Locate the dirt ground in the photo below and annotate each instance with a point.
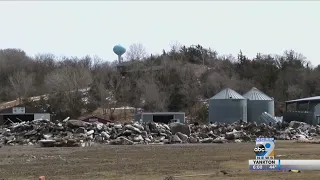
(148, 162)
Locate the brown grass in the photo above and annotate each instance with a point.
(148, 162)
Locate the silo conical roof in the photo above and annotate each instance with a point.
(256, 94)
(227, 94)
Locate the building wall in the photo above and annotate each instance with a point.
(137, 117)
(298, 116)
(257, 107)
(316, 115)
(305, 112)
(23, 116)
(313, 104)
(181, 117)
(149, 117)
(42, 116)
(227, 110)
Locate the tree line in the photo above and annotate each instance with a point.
(180, 79)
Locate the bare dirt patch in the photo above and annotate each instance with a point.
(146, 162)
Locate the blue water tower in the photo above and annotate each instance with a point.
(119, 50)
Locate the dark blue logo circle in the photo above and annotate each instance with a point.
(260, 149)
(268, 145)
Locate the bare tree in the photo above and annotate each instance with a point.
(136, 51)
(175, 46)
(68, 79)
(163, 81)
(113, 96)
(190, 87)
(21, 83)
(116, 85)
(153, 97)
(68, 88)
(104, 100)
(108, 85)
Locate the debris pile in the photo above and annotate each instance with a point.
(78, 133)
(268, 118)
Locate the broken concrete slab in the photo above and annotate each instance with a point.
(75, 123)
(180, 127)
(76, 133)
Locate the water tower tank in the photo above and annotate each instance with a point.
(258, 103)
(119, 50)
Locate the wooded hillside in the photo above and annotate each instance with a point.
(174, 81)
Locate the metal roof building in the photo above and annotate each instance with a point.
(305, 110)
(314, 98)
(258, 103)
(21, 113)
(227, 107)
(163, 117)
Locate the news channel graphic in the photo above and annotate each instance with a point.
(264, 151)
(284, 165)
(264, 148)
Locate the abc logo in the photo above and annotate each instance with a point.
(259, 149)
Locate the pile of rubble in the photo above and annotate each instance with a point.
(79, 133)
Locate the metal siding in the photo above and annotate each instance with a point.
(42, 116)
(137, 117)
(257, 107)
(298, 116)
(310, 119)
(227, 110)
(316, 109)
(315, 98)
(28, 110)
(147, 117)
(316, 113)
(304, 116)
(180, 117)
(227, 94)
(244, 104)
(256, 94)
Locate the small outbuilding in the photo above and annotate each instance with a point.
(227, 106)
(95, 118)
(305, 110)
(163, 117)
(21, 113)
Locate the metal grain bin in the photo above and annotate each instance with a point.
(227, 107)
(258, 103)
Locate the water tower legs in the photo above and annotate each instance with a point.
(119, 58)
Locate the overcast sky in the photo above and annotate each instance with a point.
(93, 28)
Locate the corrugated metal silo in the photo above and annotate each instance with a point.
(227, 107)
(258, 103)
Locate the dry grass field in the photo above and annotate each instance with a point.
(148, 162)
